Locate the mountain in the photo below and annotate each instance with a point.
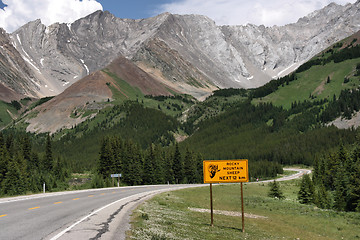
(16, 77)
(189, 53)
(122, 79)
(287, 120)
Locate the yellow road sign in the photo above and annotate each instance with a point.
(225, 171)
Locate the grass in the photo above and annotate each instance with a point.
(123, 90)
(167, 216)
(5, 117)
(313, 82)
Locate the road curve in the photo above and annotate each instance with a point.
(300, 173)
(86, 214)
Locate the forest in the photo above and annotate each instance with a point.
(23, 170)
(335, 183)
(153, 165)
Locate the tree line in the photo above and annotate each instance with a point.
(23, 170)
(272, 86)
(80, 145)
(266, 133)
(349, 52)
(159, 165)
(344, 106)
(154, 165)
(335, 183)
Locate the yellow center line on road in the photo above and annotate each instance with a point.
(3, 215)
(102, 194)
(90, 195)
(76, 198)
(57, 202)
(34, 208)
(113, 192)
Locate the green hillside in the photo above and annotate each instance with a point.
(285, 120)
(80, 146)
(11, 111)
(5, 117)
(319, 82)
(327, 74)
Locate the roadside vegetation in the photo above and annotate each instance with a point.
(177, 215)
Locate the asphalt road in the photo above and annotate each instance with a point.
(300, 173)
(58, 215)
(86, 214)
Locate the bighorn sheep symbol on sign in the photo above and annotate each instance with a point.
(213, 169)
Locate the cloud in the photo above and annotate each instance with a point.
(240, 12)
(19, 12)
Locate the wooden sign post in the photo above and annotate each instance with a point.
(226, 171)
(118, 176)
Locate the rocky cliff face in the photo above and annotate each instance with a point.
(279, 50)
(187, 52)
(16, 79)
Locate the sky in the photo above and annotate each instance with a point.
(15, 13)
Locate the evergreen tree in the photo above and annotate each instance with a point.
(341, 181)
(149, 176)
(159, 165)
(4, 160)
(169, 171)
(12, 183)
(117, 152)
(106, 159)
(133, 164)
(322, 199)
(26, 149)
(275, 191)
(199, 168)
(306, 193)
(190, 171)
(354, 182)
(48, 159)
(178, 165)
(340, 193)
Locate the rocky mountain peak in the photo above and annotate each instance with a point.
(188, 52)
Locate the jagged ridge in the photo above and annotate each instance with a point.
(187, 52)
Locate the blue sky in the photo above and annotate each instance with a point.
(223, 12)
(134, 9)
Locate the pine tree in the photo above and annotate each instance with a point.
(117, 152)
(133, 164)
(190, 167)
(306, 193)
(275, 191)
(328, 79)
(4, 161)
(159, 165)
(105, 159)
(178, 165)
(354, 182)
(26, 148)
(169, 171)
(12, 183)
(199, 168)
(48, 159)
(322, 199)
(341, 181)
(149, 176)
